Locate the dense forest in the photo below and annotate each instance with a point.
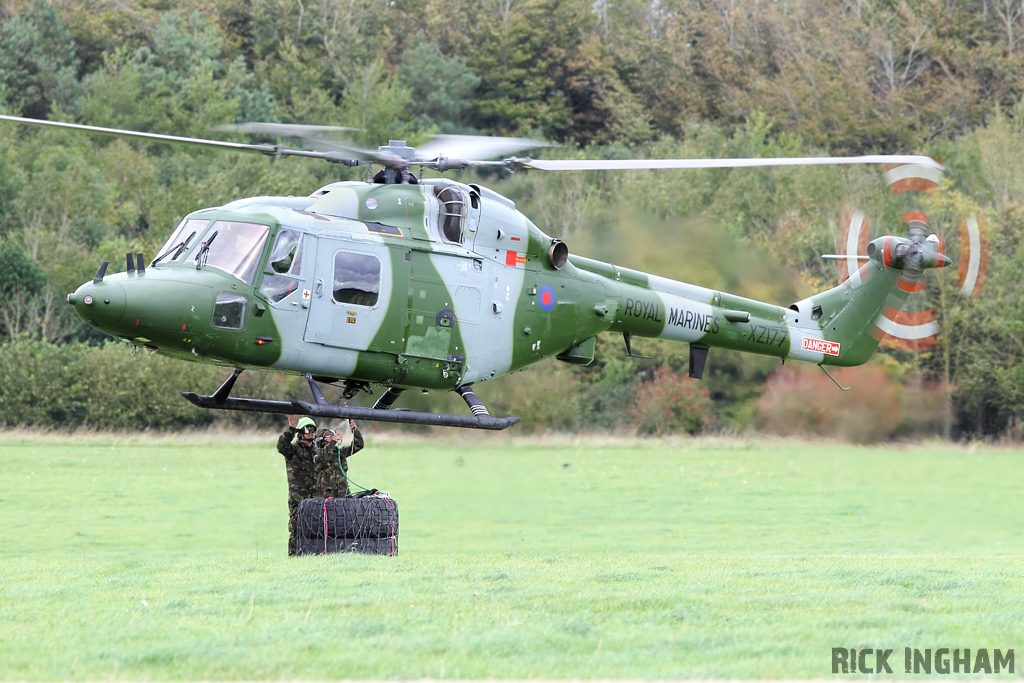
(599, 78)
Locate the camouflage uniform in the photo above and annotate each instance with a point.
(332, 467)
(302, 481)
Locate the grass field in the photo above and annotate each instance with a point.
(163, 559)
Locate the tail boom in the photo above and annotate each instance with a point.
(840, 326)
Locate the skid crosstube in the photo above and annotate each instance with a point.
(325, 409)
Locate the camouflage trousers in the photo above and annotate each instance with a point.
(293, 523)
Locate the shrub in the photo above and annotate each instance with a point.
(40, 384)
(802, 401)
(106, 387)
(671, 403)
(546, 396)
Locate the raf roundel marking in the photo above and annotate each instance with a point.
(371, 203)
(546, 298)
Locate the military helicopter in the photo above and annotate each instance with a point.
(401, 282)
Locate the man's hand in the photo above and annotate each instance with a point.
(352, 425)
(293, 421)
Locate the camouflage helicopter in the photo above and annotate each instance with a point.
(401, 282)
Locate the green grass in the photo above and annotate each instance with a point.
(163, 559)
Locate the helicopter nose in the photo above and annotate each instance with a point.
(100, 304)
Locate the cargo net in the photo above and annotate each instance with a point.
(364, 523)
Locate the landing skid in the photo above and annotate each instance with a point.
(323, 408)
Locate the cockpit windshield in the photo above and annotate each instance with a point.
(180, 240)
(234, 248)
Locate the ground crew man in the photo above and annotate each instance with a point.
(332, 463)
(299, 463)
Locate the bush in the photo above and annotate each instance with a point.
(671, 403)
(106, 387)
(40, 384)
(802, 401)
(546, 396)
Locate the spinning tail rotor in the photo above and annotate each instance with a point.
(912, 330)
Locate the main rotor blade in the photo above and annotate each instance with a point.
(295, 130)
(360, 153)
(156, 137)
(475, 146)
(318, 136)
(653, 164)
(269, 150)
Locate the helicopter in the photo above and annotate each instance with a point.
(401, 283)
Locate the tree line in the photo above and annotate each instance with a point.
(603, 79)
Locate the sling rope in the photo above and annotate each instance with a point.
(342, 469)
(325, 525)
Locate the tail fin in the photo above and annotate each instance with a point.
(852, 316)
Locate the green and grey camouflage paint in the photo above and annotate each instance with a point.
(454, 307)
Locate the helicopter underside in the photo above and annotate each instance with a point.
(329, 410)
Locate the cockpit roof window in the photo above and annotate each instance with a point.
(234, 248)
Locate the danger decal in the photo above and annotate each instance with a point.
(513, 259)
(829, 348)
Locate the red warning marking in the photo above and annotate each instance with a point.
(863, 235)
(908, 286)
(910, 318)
(830, 348)
(964, 262)
(901, 344)
(512, 259)
(913, 184)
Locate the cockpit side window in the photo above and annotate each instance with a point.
(286, 259)
(286, 256)
(229, 311)
(451, 215)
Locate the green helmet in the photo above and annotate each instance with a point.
(305, 425)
